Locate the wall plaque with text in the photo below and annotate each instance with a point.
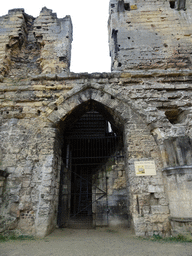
(144, 168)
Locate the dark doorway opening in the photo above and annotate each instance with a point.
(90, 143)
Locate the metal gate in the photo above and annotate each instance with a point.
(89, 145)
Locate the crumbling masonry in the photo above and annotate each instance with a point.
(104, 148)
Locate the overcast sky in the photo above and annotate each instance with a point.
(90, 52)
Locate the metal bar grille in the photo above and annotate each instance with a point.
(88, 146)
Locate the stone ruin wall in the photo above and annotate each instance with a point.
(34, 45)
(28, 144)
(38, 93)
(149, 34)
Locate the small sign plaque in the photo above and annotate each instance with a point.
(145, 168)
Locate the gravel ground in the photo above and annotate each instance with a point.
(101, 241)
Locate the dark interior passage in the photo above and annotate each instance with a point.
(88, 145)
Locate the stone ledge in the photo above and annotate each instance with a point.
(71, 75)
(184, 169)
(114, 74)
(176, 219)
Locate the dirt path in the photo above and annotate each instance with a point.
(102, 242)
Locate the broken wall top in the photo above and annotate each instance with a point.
(31, 45)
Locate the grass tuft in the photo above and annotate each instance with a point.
(179, 238)
(4, 238)
(111, 230)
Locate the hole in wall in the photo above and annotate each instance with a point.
(114, 36)
(172, 4)
(39, 37)
(174, 115)
(127, 6)
(62, 58)
(7, 46)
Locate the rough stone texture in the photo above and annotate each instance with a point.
(152, 108)
(150, 35)
(28, 142)
(34, 46)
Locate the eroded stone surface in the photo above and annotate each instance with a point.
(150, 104)
(150, 35)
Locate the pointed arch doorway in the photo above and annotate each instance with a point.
(92, 150)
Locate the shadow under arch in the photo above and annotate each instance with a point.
(92, 105)
(89, 163)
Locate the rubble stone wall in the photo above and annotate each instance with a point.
(151, 106)
(34, 45)
(30, 121)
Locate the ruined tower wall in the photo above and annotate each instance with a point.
(150, 35)
(30, 46)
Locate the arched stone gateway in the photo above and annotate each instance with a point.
(130, 184)
(135, 122)
(93, 164)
